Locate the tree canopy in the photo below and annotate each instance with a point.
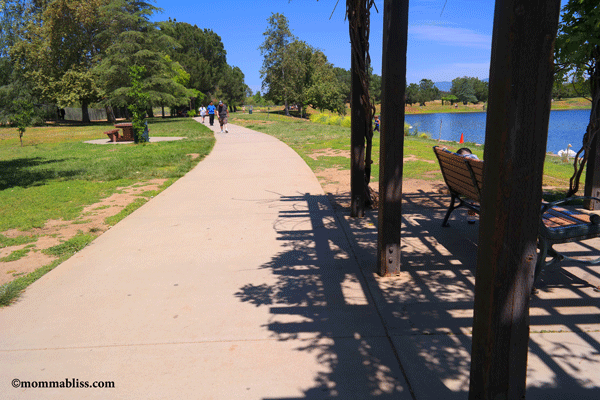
(469, 90)
(76, 53)
(577, 58)
(277, 38)
(294, 72)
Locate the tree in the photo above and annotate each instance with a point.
(427, 91)
(139, 101)
(233, 87)
(277, 38)
(412, 93)
(200, 52)
(344, 79)
(323, 91)
(481, 89)
(577, 57)
(374, 86)
(298, 67)
(449, 99)
(22, 117)
(469, 90)
(61, 46)
(142, 44)
(464, 90)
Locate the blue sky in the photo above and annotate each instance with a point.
(447, 39)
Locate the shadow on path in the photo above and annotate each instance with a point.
(409, 336)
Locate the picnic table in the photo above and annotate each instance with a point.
(127, 135)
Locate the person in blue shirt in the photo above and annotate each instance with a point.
(211, 113)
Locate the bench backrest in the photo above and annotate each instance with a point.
(463, 176)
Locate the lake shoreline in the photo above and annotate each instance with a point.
(566, 126)
(453, 111)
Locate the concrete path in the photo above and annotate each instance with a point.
(243, 281)
(234, 283)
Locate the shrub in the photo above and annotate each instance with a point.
(334, 120)
(191, 113)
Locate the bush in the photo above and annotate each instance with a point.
(334, 120)
(330, 119)
(191, 113)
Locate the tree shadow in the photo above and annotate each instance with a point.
(435, 293)
(409, 336)
(25, 172)
(319, 303)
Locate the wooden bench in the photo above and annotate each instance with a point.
(464, 178)
(113, 134)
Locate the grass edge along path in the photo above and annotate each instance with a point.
(324, 146)
(199, 143)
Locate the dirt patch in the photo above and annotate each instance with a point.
(336, 184)
(329, 153)
(54, 232)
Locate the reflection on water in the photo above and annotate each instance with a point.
(566, 127)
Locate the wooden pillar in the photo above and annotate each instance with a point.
(393, 75)
(592, 172)
(358, 114)
(521, 75)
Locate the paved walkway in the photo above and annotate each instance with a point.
(242, 281)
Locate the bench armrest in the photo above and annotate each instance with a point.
(547, 206)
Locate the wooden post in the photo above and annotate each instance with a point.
(592, 175)
(521, 75)
(357, 145)
(393, 75)
(358, 117)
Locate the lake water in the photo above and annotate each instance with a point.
(566, 127)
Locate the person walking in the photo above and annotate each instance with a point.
(211, 113)
(202, 112)
(223, 114)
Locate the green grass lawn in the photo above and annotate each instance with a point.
(55, 175)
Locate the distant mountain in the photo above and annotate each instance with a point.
(446, 86)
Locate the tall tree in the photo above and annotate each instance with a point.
(298, 67)
(427, 91)
(323, 91)
(60, 48)
(200, 52)
(277, 37)
(141, 43)
(16, 92)
(374, 86)
(577, 57)
(463, 88)
(412, 94)
(233, 87)
(344, 80)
